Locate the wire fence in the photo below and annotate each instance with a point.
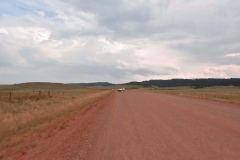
(16, 96)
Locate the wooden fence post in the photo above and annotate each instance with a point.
(39, 93)
(10, 96)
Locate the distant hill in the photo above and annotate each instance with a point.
(93, 84)
(198, 83)
(38, 86)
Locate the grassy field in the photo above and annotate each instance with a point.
(220, 93)
(24, 108)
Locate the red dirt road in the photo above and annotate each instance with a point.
(141, 125)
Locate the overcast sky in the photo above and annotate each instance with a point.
(118, 40)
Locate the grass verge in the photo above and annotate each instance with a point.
(28, 112)
(220, 93)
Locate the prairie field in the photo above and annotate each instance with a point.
(26, 108)
(220, 93)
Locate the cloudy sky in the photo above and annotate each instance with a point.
(118, 41)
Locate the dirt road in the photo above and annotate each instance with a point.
(141, 125)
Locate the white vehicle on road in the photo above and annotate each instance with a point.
(121, 89)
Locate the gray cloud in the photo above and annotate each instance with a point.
(110, 67)
(5, 59)
(118, 41)
(121, 18)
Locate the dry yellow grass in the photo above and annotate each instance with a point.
(27, 110)
(39, 86)
(220, 93)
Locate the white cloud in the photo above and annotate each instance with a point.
(113, 47)
(3, 31)
(222, 71)
(41, 13)
(121, 41)
(233, 55)
(31, 34)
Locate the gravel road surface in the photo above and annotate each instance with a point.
(142, 125)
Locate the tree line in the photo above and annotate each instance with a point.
(198, 83)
